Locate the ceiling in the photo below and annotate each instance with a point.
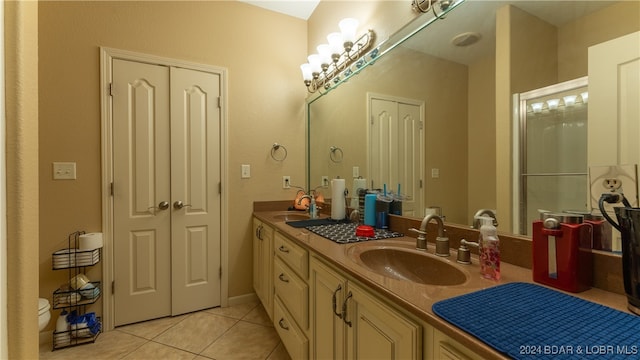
(297, 8)
(479, 16)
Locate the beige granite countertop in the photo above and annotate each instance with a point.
(418, 298)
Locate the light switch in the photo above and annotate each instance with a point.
(246, 171)
(64, 171)
(435, 173)
(356, 171)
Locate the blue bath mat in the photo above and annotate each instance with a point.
(527, 321)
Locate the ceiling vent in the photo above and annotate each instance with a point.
(465, 39)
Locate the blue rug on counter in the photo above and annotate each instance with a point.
(526, 321)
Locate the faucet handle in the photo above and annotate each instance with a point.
(421, 241)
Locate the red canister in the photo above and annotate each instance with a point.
(562, 252)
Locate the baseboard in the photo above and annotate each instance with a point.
(243, 299)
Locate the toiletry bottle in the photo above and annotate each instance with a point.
(62, 324)
(313, 210)
(489, 250)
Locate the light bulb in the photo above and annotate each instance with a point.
(314, 61)
(335, 43)
(537, 107)
(569, 100)
(306, 72)
(348, 28)
(585, 97)
(324, 51)
(553, 103)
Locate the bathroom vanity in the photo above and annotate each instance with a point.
(330, 300)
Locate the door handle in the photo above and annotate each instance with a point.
(344, 309)
(334, 301)
(163, 205)
(179, 205)
(282, 324)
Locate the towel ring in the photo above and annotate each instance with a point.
(274, 150)
(333, 154)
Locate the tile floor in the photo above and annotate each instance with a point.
(237, 332)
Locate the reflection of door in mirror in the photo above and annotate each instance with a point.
(396, 148)
(614, 110)
(552, 151)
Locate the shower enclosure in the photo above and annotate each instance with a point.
(551, 143)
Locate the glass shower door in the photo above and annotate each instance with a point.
(552, 167)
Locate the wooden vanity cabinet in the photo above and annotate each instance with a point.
(359, 325)
(290, 279)
(320, 312)
(263, 264)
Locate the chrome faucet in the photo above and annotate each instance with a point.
(481, 212)
(442, 242)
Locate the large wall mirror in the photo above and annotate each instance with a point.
(426, 115)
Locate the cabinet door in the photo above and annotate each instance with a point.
(446, 348)
(327, 327)
(263, 264)
(376, 331)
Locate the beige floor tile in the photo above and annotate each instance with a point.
(153, 350)
(109, 345)
(258, 316)
(152, 328)
(244, 341)
(196, 331)
(280, 353)
(236, 311)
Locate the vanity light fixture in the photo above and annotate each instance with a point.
(336, 57)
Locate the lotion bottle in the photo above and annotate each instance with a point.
(489, 250)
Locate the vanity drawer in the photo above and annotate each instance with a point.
(292, 337)
(293, 292)
(293, 255)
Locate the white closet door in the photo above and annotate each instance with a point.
(142, 231)
(195, 181)
(167, 201)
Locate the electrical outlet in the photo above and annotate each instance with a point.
(325, 181)
(612, 183)
(620, 178)
(64, 170)
(286, 182)
(356, 171)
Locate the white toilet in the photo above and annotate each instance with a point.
(44, 313)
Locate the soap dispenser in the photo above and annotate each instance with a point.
(489, 249)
